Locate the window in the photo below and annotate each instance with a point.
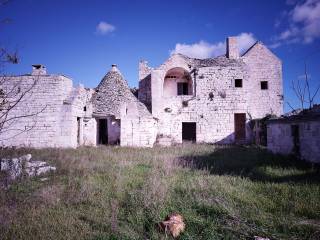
(238, 83)
(264, 85)
(182, 88)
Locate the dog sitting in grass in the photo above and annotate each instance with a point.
(173, 224)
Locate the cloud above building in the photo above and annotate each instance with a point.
(204, 49)
(104, 28)
(302, 24)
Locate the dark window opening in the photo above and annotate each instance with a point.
(84, 108)
(238, 83)
(189, 131)
(103, 131)
(182, 88)
(264, 85)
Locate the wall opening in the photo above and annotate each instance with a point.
(103, 131)
(264, 85)
(238, 83)
(240, 126)
(296, 139)
(177, 82)
(78, 130)
(182, 88)
(189, 131)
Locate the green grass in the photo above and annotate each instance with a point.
(122, 193)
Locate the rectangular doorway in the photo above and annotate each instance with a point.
(78, 130)
(189, 131)
(295, 139)
(240, 126)
(103, 131)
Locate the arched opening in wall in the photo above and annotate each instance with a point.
(177, 82)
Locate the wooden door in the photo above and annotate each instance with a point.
(240, 126)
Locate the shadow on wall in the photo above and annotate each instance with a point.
(254, 163)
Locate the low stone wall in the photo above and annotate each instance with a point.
(280, 138)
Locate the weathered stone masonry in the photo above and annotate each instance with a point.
(203, 100)
(213, 99)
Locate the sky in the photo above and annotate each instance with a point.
(81, 39)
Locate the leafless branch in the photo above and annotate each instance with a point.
(303, 89)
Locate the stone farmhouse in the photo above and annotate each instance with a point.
(184, 99)
(297, 134)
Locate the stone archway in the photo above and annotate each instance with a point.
(177, 81)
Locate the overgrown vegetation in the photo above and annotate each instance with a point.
(122, 193)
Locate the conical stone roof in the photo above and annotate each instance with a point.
(111, 93)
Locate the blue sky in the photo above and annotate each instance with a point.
(81, 39)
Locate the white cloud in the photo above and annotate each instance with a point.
(203, 49)
(104, 28)
(304, 24)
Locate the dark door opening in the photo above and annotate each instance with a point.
(189, 131)
(103, 131)
(296, 139)
(78, 130)
(240, 126)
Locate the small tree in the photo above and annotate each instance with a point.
(303, 92)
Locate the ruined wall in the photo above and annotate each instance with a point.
(47, 128)
(280, 139)
(144, 93)
(77, 124)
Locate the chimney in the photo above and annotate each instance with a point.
(38, 69)
(232, 48)
(114, 68)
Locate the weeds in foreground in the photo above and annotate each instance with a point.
(123, 193)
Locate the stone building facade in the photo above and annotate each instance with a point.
(212, 100)
(184, 99)
(298, 134)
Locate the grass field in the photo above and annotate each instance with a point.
(122, 193)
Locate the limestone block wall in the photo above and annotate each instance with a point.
(77, 115)
(215, 98)
(90, 132)
(45, 100)
(310, 141)
(212, 106)
(137, 130)
(280, 138)
(263, 65)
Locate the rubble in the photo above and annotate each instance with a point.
(24, 166)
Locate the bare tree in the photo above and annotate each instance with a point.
(302, 90)
(14, 92)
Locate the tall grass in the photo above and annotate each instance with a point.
(122, 193)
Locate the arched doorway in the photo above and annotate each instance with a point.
(177, 82)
